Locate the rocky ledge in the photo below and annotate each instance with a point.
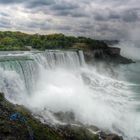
(106, 54)
(18, 123)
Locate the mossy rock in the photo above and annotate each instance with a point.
(78, 133)
(18, 130)
(1, 97)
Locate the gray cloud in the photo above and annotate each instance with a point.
(64, 6)
(95, 18)
(38, 3)
(130, 16)
(5, 23)
(10, 1)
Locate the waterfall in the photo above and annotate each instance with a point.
(27, 66)
(60, 81)
(68, 59)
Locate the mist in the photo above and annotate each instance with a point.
(130, 46)
(65, 83)
(130, 49)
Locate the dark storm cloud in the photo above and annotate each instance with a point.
(38, 3)
(130, 15)
(10, 1)
(29, 3)
(114, 15)
(5, 23)
(64, 6)
(95, 18)
(71, 13)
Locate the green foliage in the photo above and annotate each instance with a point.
(19, 41)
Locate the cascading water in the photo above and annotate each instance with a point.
(60, 81)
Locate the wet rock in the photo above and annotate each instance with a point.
(75, 132)
(113, 137)
(20, 130)
(104, 136)
(65, 116)
(108, 54)
(1, 97)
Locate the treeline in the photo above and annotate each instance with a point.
(19, 41)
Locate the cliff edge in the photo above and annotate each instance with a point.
(107, 54)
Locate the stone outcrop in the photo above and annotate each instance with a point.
(104, 136)
(108, 55)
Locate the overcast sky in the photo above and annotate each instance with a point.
(103, 19)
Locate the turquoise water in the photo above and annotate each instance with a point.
(132, 74)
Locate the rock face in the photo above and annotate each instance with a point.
(73, 132)
(104, 136)
(113, 137)
(18, 129)
(114, 51)
(108, 54)
(26, 127)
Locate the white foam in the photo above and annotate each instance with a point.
(95, 99)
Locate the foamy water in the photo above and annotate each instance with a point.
(61, 81)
